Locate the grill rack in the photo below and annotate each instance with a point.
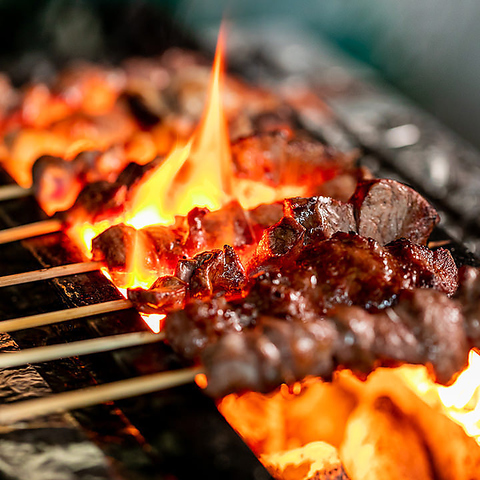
(180, 433)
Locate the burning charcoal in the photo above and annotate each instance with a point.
(468, 295)
(165, 295)
(381, 442)
(320, 216)
(273, 353)
(208, 230)
(264, 216)
(314, 461)
(424, 267)
(386, 210)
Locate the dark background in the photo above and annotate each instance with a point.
(429, 49)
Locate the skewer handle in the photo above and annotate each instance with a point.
(86, 397)
(63, 315)
(10, 192)
(73, 349)
(30, 230)
(47, 273)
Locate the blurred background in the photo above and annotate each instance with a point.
(429, 49)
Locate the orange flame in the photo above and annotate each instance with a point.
(460, 401)
(197, 175)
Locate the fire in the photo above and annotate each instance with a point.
(460, 401)
(196, 175)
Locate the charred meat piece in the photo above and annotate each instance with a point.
(274, 352)
(212, 272)
(424, 327)
(165, 295)
(201, 323)
(264, 216)
(320, 216)
(386, 210)
(278, 159)
(425, 268)
(420, 329)
(229, 225)
(468, 295)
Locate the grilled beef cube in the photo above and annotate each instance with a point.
(425, 327)
(273, 353)
(278, 159)
(468, 295)
(425, 268)
(264, 216)
(208, 230)
(386, 210)
(280, 243)
(213, 271)
(201, 323)
(56, 183)
(344, 269)
(165, 295)
(320, 216)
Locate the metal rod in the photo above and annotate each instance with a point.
(63, 315)
(30, 230)
(47, 273)
(62, 402)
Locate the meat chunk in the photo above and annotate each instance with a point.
(468, 295)
(386, 210)
(320, 216)
(165, 295)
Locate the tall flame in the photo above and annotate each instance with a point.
(199, 174)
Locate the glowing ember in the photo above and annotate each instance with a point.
(460, 401)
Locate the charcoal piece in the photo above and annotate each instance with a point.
(264, 216)
(216, 271)
(208, 230)
(468, 295)
(425, 268)
(320, 216)
(386, 210)
(165, 295)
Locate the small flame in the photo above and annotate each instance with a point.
(139, 276)
(197, 175)
(460, 401)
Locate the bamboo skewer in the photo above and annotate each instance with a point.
(63, 315)
(11, 192)
(86, 397)
(30, 230)
(47, 273)
(74, 349)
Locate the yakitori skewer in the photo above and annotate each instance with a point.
(57, 316)
(73, 349)
(50, 272)
(30, 230)
(11, 192)
(86, 397)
